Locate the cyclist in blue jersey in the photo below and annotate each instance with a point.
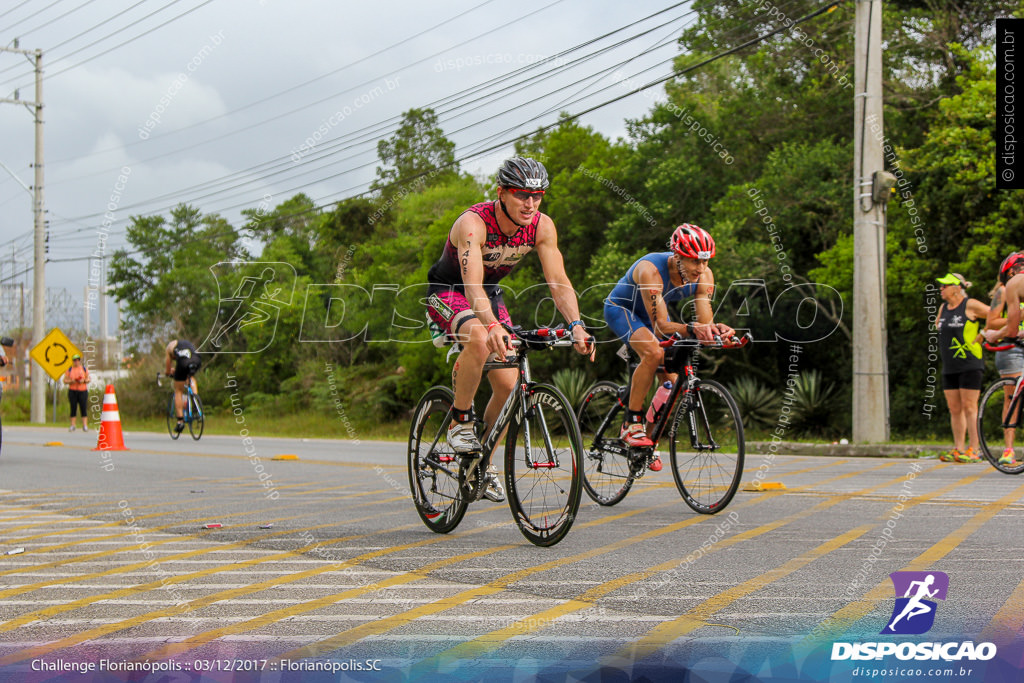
(636, 310)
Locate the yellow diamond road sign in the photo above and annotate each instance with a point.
(54, 353)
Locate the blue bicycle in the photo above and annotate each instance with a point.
(192, 410)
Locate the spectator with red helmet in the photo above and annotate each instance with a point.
(636, 310)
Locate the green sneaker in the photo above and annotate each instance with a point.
(969, 456)
(1007, 458)
(951, 456)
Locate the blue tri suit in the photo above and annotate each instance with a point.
(624, 309)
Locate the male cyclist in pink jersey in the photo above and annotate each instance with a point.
(637, 313)
(484, 245)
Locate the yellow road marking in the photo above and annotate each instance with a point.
(105, 553)
(495, 639)
(1008, 623)
(837, 624)
(279, 581)
(667, 632)
(174, 649)
(193, 604)
(390, 623)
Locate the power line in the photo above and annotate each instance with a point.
(494, 147)
(472, 95)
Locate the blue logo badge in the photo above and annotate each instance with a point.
(914, 613)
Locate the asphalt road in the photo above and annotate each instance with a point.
(321, 562)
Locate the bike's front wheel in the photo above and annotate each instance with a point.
(172, 420)
(991, 418)
(707, 447)
(434, 475)
(196, 420)
(543, 454)
(607, 475)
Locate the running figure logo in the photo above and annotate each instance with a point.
(914, 614)
(258, 292)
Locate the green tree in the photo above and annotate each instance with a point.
(163, 280)
(418, 152)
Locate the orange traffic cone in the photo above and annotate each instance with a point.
(110, 438)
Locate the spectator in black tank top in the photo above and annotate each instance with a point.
(958, 322)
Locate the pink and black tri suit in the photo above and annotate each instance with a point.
(447, 304)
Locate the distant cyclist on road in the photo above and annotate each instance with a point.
(636, 310)
(182, 363)
(484, 245)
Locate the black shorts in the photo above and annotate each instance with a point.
(79, 399)
(182, 371)
(970, 379)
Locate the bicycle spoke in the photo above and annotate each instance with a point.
(999, 425)
(542, 467)
(707, 448)
(434, 468)
(607, 475)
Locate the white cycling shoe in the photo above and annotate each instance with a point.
(493, 490)
(462, 438)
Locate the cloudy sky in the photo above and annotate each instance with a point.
(223, 103)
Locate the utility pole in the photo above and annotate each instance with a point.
(38, 411)
(870, 367)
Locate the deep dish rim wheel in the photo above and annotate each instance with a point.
(544, 500)
(435, 403)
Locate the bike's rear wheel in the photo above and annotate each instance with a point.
(607, 475)
(543, 455)
(172, 419)
(707, 447)
(196, 419)
(434, 469)
(990, 424)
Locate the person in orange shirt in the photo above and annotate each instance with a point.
(77, 379)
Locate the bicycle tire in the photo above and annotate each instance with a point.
(172, 419)
(441, 509)
(195, 416)
(707, 473)
(990, 424)
(607, 474)
(544, 497)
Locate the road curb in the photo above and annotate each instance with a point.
(869, 450)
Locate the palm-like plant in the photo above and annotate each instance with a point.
(758, 404)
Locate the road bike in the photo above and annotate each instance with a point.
(542, 451)
(192, 411)
(699, 417)
(999, 414)
(5, 341)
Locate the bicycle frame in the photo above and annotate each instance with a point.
(517, 399)
(1016, 406)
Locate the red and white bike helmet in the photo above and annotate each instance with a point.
(692, 241)
(1014, 260)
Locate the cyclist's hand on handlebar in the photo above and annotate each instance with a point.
(498, 341)
(991, 336)
(703, 331)
(583, 342)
